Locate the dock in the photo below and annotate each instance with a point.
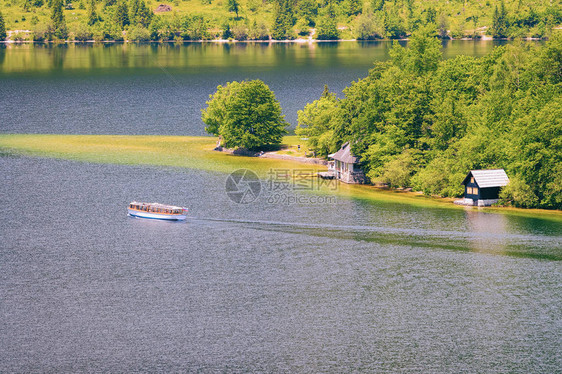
(327, 174)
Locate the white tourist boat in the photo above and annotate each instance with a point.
(157, 211)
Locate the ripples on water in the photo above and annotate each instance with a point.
(259, 287)
(160, 89)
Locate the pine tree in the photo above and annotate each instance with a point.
(122, 14)
(353, 7)
(233, 6)
(279, 29)
(377, 4)
(499, 22)
(284, 20)
(26, 5)
(326, 92)
(2, 28)
(133, 11)
(57, 17)
(327, 27)
(144, 15)
(92, 15)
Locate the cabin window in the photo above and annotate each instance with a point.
(472, 190)
(471, 179)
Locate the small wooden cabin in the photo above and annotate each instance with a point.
(482, 187)
(346, 166)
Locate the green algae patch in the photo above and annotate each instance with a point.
(196, 152)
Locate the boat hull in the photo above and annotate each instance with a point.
(151, 215)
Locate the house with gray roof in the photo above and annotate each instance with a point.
(345, 166)
(482, 187)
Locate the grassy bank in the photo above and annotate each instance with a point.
(196, 153)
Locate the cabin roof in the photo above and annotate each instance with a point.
(488, 178)
(345, 155)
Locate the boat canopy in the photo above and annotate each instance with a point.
(153, 206)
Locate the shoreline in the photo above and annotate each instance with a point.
(196, 152)
(269, 41)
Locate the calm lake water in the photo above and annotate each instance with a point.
(335, 286)
(338, 287)
(161, 88)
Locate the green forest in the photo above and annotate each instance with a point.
(144, 20)
(423, 122)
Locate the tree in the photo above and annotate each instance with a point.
(518, 193)
(368, 26)
(122, 14)
(226, 33)
(92, 15)
(233, 6)
(2, 28)
(139, 13)
(258, 31)
(327, 27)
(308, 9)
(57, 17)
(499, 22)
(316, 120)
(144, 14)
(443, 26)
(245, 114)
(353, 7)
(134, 6)
(283, 20)
(422, 55)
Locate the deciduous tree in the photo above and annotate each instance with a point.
(245, 114)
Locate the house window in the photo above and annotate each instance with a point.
(471, 179)
(472, 190)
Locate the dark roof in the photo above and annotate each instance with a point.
(345, 155)
(488, 178)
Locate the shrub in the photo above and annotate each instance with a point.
(83, 33)
(518, 193)
(302, 27)
(138, 34)
(258, 31)
(369, 27)
(42, 32)
(240, 32)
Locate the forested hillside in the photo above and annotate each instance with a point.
(423, 122)
(137, 20)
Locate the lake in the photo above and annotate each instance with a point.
(302, 285)
(160, 89)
